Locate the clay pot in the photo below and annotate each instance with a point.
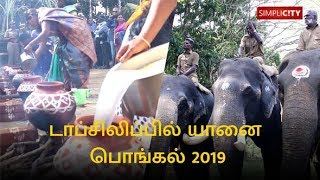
(49, 105)
(4, 72)
(12, 71)
(28, 86)
(12, 110)
(6, 87)
(18, 78)
(14, 132)
(73, 158)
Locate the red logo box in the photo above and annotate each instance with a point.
(280, 12)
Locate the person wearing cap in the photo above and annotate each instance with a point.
(310, 36)
(251, 44)
(188, 62)
(12, 37)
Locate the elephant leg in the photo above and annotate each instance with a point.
(153, 170)
(178, 168)
(316, 154)
(190, 169)
(317, 168)
(272, 145)
(232, 167)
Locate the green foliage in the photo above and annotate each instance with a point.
(272, 58)
(125, 4)
(13, 10)
(109, 4)
(84, 7)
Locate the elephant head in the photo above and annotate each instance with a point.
(244, 95)
(299, 82)
(181, 102)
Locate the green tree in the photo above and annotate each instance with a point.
(109, 4)
(13, 10)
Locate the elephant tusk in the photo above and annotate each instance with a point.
(194, 140)
(240, 143)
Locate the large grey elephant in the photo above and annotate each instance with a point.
(244, 95)
(183, 103)
(299, 82)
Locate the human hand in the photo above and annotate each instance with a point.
(250, 25)
(178, 72)
(133, 47)
(28, 49)
(252, 29)
(183, 75)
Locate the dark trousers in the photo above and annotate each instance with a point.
(103, 54)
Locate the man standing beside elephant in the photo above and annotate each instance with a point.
(187, 64)
(310, 37)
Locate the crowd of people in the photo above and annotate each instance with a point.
(108, 34)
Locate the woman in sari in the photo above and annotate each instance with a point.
(119, 32)
(74, 55)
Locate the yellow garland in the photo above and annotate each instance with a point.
(138, 11)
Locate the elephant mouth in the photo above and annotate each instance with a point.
(240, 144)
(194, 140)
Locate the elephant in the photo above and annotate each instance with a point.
(183, 103)
(299, 81)
(245, 95)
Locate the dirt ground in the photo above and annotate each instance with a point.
(96, 78)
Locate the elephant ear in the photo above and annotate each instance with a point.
(285, 61)
(283, 65)
(268, 96)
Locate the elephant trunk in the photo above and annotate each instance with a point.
(299, 125)
(229, 114)
(167, 111)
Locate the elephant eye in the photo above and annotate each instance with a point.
(248, 90)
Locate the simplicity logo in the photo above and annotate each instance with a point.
(279, 12)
